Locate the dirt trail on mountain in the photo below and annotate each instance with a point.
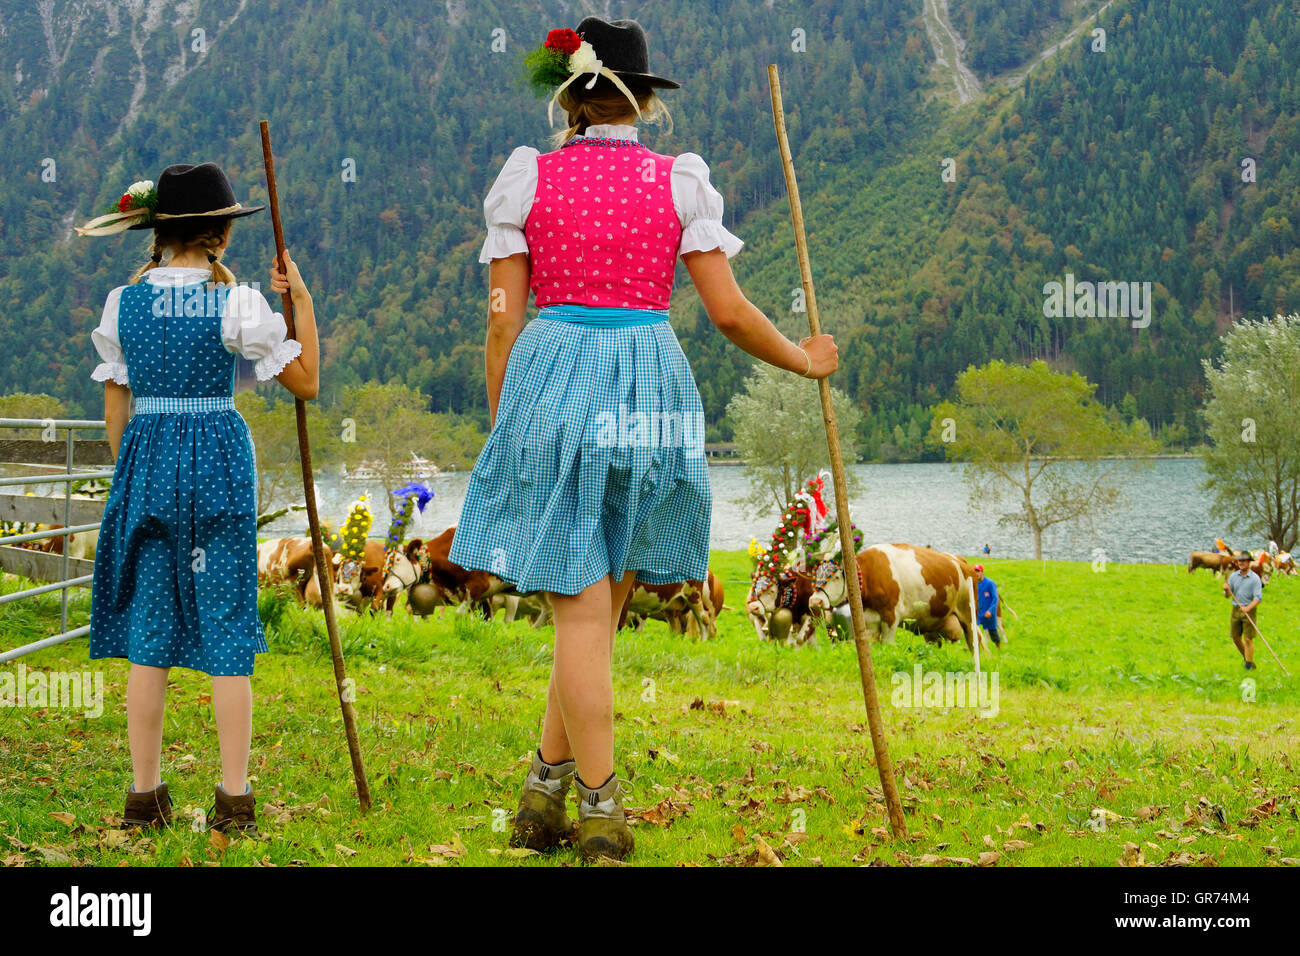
(948, 46)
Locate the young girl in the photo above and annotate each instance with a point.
(594, 472)
(175, 580)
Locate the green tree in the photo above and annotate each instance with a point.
(27, 405)
(274, 427)
(777, 423)
(1036, 437)
(1253, 421)
(386, 425)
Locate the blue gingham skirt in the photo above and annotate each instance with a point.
(595, 465)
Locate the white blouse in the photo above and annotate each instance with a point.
(697, 204)
(248, 328)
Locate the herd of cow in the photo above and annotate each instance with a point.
(1263, 563)
(899, 582)
(423, 571)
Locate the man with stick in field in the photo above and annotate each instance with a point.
(990, 604)
(1246, 590)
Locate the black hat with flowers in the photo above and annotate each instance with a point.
(621, 46)
(613, 50)
(184, 191)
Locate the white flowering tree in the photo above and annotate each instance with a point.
(777, 423)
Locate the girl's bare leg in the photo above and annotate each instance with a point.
(146, 692)
(232, 702)
(580, 708)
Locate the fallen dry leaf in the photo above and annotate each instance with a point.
(989, 858)
(67, 819)
(766, 855)
(451, 851)
(1131, 855)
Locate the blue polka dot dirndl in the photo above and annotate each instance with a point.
(175, 581)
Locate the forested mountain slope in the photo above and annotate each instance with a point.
(1121, 165)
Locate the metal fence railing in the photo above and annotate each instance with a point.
(70, 459)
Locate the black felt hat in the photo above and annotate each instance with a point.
(188, 191)
(621, 46)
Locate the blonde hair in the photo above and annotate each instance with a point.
(203, 232)
(606, 104)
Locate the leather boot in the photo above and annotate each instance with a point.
(147, 810)
(540, 821)
(237, 814)
(602, 824)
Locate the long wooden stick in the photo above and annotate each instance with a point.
(324, 569)
(1262, 637)
(883, 764)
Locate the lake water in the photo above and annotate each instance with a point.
(1163, 517)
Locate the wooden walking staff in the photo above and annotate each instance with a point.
(324, 570)
(1262, 637)
(896, 823)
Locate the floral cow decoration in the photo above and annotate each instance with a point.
(804, 556)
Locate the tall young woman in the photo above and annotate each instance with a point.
(594, 473)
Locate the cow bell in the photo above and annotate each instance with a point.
(778, 627)
(422, 599)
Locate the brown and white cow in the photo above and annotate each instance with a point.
(778, 607)
(452, 584)
(1213, 560)
(686, 606)
(292, 560)
(374, 585)
(286, 559)
(905, 582)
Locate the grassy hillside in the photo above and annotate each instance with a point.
(1119, 692)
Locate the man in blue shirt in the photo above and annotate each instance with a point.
(1246, 590)
(989, 604)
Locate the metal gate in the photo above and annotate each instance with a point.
(60, 449)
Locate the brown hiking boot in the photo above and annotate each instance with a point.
(602, 824)
(147, 810)
(540, 822)
(234, 813)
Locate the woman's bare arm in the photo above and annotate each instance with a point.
(507, 307)
(745, 324)
(117, 410)
(301, 376)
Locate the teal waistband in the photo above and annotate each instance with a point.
(602, 318)
(155, 405)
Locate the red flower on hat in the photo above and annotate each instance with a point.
(564, 41)
(126, 203)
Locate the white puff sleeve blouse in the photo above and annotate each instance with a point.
(252, 330)
(112, 366)
(248, 328)
(697, 203)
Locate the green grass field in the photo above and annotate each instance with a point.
(1123, 734)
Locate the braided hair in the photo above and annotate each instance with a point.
(202, 232)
